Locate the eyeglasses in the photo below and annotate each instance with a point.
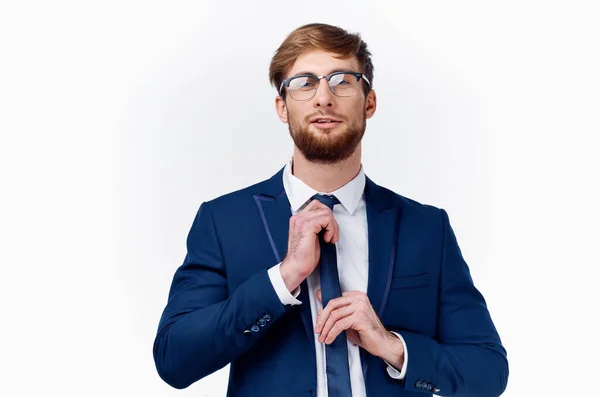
(304, 86)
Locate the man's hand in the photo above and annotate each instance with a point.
(304, 250)
(353, 313)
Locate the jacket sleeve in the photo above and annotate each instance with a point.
(467, 357)
(203, 327)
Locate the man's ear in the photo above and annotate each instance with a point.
(371, 104)
(281, 109)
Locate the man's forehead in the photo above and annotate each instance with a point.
(322, 63)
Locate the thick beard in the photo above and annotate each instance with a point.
(327, 148)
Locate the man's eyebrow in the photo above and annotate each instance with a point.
(331, 71)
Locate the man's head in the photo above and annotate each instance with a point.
(320, 50)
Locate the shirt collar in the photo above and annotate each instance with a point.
(299, 193)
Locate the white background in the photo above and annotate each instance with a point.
(119, 118)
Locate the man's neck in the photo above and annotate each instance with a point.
(326, 178)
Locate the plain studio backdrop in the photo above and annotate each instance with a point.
(119, 119)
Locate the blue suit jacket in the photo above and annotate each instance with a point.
(222, 307)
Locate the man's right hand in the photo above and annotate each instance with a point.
(304, 250)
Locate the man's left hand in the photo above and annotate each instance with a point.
(353, 313)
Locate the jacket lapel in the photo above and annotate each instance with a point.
(275, 210)
(383, 217)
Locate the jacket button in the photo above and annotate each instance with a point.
(435, 390)
(418, 384)
(255, 328)
(267, 317)
(262, 322)
(247, 332)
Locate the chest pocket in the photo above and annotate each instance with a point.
(415, 281)
(411, 304)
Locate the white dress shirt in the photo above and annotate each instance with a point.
(353, 267)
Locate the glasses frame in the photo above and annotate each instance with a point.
(286, 82)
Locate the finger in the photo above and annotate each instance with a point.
(341, 325)
(325, 221)
(336, 235)
(319, 295)
(316, 221)
(352, 336)
(328, 236)
(315, 213)
(333, 230)
(314, 204)
(360, 295)
(323, 314)
(332, 236)
(335, 317)
(304, 216)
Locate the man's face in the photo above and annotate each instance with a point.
(330, 142)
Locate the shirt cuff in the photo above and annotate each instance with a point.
(393, 372)
(281, 290)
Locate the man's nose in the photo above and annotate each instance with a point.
(324, 96)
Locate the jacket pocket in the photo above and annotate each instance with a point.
(413, 281)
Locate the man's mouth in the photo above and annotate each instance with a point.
(325, 122)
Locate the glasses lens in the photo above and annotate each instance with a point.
(344, 84)
(302, 87)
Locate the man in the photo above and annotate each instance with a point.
(317, 281)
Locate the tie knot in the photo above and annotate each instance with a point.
(327, 199)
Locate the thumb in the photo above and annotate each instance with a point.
(319, 295)
(353, 337)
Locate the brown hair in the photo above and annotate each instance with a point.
(319, 36)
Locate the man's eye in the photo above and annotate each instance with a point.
(302, 84)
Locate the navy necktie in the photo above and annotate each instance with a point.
(338, 369)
